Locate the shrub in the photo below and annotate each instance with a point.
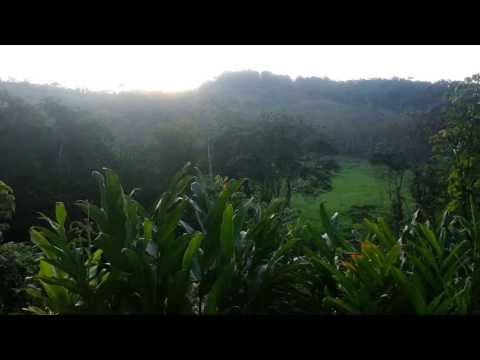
(7, 207)
(125, 259)
(17, 263)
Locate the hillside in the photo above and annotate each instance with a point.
(346, 111)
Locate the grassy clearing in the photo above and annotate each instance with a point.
(357, 183)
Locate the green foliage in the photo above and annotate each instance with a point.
(275, 151)
(456, 147)
(7, 206)
(359, 213)
(128, 260)
(17, 262)
(164, 149)
(396, 164)
(206, 248)
(428, 189)
(427, 270)
(48, 150)
(246, 264)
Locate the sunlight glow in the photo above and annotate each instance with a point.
(178, 68)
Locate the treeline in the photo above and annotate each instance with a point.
(344, 111)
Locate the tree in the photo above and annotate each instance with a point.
(47, 153)
(457, 146)
(274, 152)
(397, 165)
(150, 165)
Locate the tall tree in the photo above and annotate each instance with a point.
(397, 164)
(457, 146)
(275, 151)
(47, 153)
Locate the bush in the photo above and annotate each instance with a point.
(235, 257)
(358, 213)
(7, 207)
(428, 269)
(17, 263)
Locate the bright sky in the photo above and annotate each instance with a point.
(182, 67)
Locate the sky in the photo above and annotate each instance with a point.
(176, 68)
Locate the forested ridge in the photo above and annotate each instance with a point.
(120, 224)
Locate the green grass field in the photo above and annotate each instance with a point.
(357, 183)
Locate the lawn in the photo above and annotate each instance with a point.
(358, 183)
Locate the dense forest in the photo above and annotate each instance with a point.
(142, 202)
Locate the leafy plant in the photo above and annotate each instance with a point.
(17, 263)
(234, 257)
(424, 271)
(245, 264)
(7, 206)
(129, 261)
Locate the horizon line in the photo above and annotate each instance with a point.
(56, 84)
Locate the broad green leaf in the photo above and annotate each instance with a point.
(226, 234)
(60, 213)
(191, 251)
(170, 223)
(148, 229)
(221, 285)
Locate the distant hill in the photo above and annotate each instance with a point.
(347, 111)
